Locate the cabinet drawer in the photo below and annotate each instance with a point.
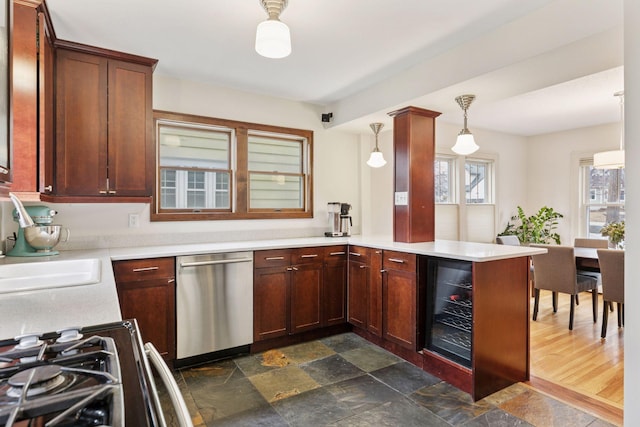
(399, 261)
(144, 269)
(359, 253)
(336, 253)
(307, 255)
(274, 258)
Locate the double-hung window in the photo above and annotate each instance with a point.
(603, 198)
(478, 181)
(221, 169)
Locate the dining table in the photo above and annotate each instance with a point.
(586, 259)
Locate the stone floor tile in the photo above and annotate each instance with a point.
(344, 342)
(363, 393)
(505, 394)
(331, 369)
(454, 406)
(264, 416)
(306, 352)
(283, 383)
(541, 410)
(314, 408)
(370, 358)
(396, 413)
(252, 365)
(496, 418)
(405, 377)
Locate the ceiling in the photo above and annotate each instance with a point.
(536, 67)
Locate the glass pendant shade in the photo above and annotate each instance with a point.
(273, 39)
(465, 144)
(613, 159)
(609, 159)
(376, 160)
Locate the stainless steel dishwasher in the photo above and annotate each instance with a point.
(214, 302)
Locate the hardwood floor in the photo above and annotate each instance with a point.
(578, 363)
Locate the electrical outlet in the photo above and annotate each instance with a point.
(134, 220)
(401, 198)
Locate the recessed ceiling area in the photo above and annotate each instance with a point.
(536, 67)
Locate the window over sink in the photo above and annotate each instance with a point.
(221, 169)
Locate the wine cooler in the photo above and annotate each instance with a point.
(449, 317)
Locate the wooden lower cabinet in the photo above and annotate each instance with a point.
(147, 292)
(384, 295)
(400, 299)
(298, 290)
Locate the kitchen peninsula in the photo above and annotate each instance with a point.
(499, 285)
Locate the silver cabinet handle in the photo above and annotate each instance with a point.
(138, 270)
(214, 262)
(355, 254)
(364, 266)
(337, 253)
(309, 256)
(383, 271)
(399, 261)
(274, 258)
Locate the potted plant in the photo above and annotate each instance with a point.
(615, 232)
(536, 228)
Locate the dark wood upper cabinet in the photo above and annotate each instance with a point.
(103, 140)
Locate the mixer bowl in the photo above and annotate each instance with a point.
(43, 237)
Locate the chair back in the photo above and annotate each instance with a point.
(555, 270)
(590, 243)
(612, 271)
(508, 240)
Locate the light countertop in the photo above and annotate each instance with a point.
(52, 309)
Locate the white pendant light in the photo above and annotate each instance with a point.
(376, 160)
(465, 144)
(613, 159)
(273, 39)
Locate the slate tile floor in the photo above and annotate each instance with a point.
(346, 381)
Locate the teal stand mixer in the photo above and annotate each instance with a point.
(42, 217)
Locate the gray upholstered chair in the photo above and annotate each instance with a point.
(508, 240)
(612, 269)
(556, 272)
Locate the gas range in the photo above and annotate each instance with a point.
(88, 376)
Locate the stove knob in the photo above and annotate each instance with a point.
(69, 334)
(28, 340)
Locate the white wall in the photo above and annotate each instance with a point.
(511, 175)
(336, 176)
(553, 171)
(632, 206)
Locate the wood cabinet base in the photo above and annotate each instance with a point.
(301, 337)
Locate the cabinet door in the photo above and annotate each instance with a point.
(335, 286)
(270, 302)
(81, 124)
(306, 288)
(152, 304)
(131, 150)
(374, 319)
(147, 292)
(399, 293)
(359, 274)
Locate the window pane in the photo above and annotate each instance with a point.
(476, 182)
(168, 188)
(195, 166)
(442, 181)
(604, 198)
(274, 155)
(272, 191)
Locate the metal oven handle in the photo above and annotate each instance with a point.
(184, 419)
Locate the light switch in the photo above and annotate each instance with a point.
(402, 198)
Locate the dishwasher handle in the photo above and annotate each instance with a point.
(215, 262)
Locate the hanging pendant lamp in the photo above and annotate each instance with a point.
(273, 39)
(376, 160)
(465, 144)
(613, 159)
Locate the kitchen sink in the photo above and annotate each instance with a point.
(31, 276)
